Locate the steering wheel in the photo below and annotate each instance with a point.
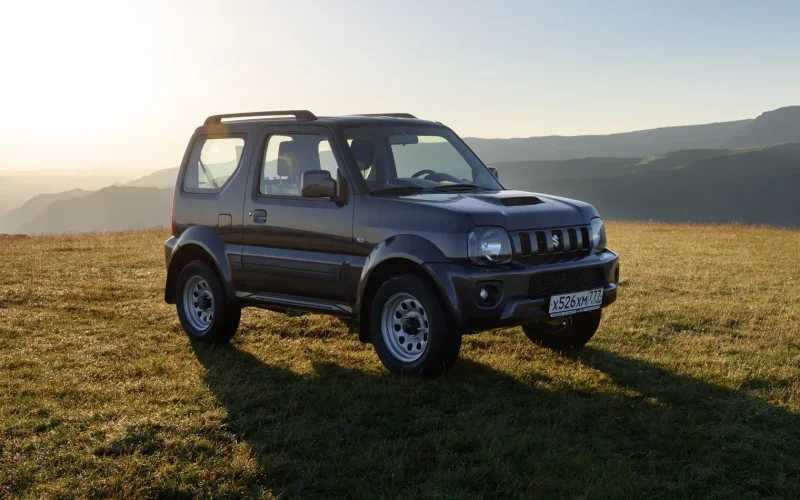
(423, 172)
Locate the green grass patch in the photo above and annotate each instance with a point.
(691, 388)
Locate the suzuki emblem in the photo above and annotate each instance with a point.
(556, 241)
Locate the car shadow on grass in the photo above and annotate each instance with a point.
(480, 433)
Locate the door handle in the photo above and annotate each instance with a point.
(259, 216)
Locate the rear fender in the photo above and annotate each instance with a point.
(208, 241)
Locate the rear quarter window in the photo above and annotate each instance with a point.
(212, 163)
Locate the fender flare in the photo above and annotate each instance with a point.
(411, 248)
(207, 240)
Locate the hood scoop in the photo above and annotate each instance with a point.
(520, 201)
(517, 199)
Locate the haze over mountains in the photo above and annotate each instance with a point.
(18, 187)
(160, 178)
(113, 208)
(742, 171)
(773, 127)
(630, 144)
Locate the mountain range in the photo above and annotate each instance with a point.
(629, 144)
(21, 216)
(753, 186)
(17, 188)
(113, 208)
(772, 127)
(745, 171)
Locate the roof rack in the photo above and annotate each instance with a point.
(394, 115)
(299, 114)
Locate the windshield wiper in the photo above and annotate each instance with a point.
(399, 190)
(458, 187)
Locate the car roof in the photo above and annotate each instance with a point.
(244, 122)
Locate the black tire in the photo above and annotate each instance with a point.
(573, 333)
(225, 318)
(443, 344)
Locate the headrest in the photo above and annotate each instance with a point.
(288, 160)
(364, 152)
(284, 168)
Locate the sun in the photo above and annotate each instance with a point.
(81, 71)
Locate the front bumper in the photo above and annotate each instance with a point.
(461, 283)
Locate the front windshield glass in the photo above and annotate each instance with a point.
(417, 158)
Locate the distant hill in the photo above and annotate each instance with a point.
(527, 172)
(16, 188)
(772, 127)
(159, 179)
(112, 208)
(752, 186)
(626, 145)
(11, 221)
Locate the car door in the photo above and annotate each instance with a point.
(296, 245)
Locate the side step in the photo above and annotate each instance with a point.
(296, 306)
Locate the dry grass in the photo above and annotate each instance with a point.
(690, 389)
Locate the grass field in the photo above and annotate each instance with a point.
(691, 388)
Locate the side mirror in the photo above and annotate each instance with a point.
(494, 172)
(317, 184)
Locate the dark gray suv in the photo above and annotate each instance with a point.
(389, 222)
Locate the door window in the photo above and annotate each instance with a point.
(287, 156)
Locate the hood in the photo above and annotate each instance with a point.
(513, 210)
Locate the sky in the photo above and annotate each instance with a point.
(123, 84)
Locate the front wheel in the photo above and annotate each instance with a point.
(571, 332)
(203, 308)
(409, 328)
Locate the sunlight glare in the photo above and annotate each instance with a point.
(85, 66)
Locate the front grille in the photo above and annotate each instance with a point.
(572, 280)
(550, 245)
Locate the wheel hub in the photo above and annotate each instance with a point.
(198, 303)
(412, 325)
(405, 327)
(204, 302)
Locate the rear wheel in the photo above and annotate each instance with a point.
(410, 330)
(570, 332)
(203, 308)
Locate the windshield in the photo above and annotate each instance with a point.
(417, 158)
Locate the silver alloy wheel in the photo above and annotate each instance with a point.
(198, 303)
(405, 327)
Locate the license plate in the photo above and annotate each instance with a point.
(572, 303)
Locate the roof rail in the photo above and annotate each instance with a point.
(394, 115)
(299, 114)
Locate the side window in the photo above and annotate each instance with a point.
(326, 159)
(212, 163)
(287, 156)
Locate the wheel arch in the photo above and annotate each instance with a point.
(197, 244)
(403, 254)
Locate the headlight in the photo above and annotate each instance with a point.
(489, 245)
(598, 233)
